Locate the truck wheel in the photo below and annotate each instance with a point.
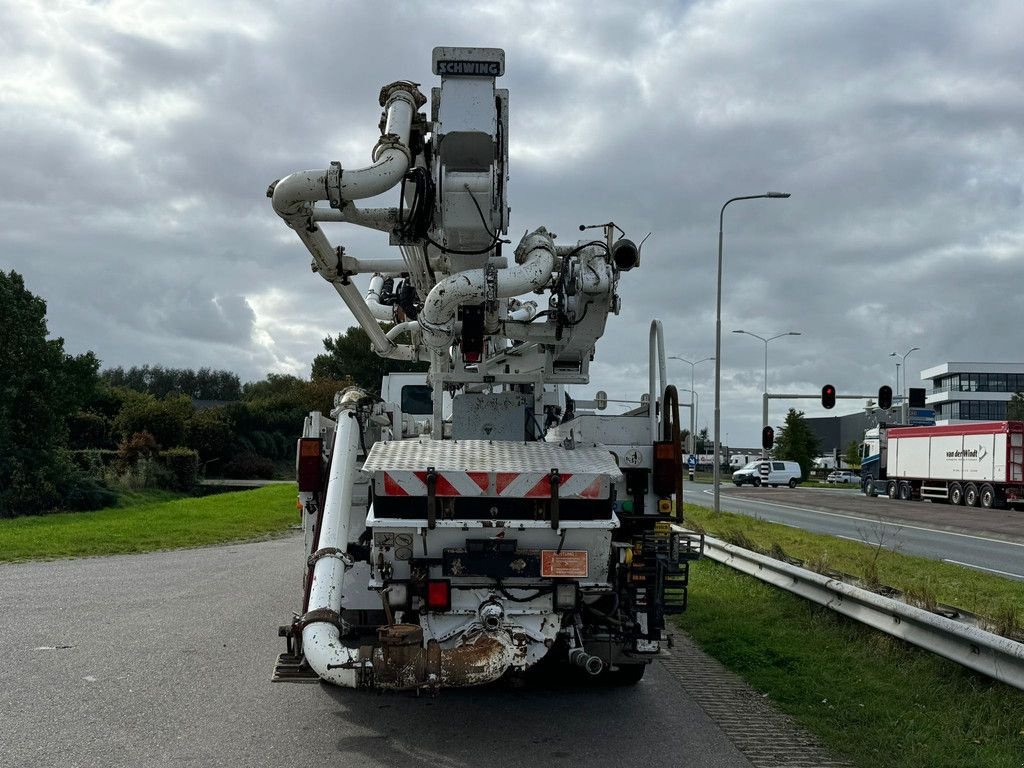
(625, 674)
(793, 482)
(971, 495)
(890, 489)
(906, 492)
(756, 482)
(868, 486)
(956, 494)
(737, 484)
(988, 496)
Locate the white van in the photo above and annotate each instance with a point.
(769, 472)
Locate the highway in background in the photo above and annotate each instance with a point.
(989, 540)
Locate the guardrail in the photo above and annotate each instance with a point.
(993, 655)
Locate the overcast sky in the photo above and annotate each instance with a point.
(138, 140)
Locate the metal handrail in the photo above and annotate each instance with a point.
(985, 652)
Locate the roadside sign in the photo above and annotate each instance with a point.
(692, 461)
(920, 417)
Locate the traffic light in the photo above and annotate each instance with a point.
(828, 396)
(916, 397)
(767, 438)
(885, 397)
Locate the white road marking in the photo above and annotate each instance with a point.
(875, 522)
(850, 538)
(982, 568)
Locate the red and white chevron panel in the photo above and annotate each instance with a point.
(448, 483)
(531, 485)
(512, 485)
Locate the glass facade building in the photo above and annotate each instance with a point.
(972, 391)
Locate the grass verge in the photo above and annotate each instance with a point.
(150, 524)
(925, 582)
(867, 696)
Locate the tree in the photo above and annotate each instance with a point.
(852, 455)
(40, 387)
(204, 384)
(164, 419)
(1015, 408)
(796, 442)
(350, 355)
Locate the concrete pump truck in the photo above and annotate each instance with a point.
(466, 524)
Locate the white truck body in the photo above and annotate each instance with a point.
(972, 463)
(986, 452)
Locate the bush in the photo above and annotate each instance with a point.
(144, 473)
(183, 466)
(249, 466)
(164, 419)
(87, 430)
(94, 461)
(141, 445)
(86, 492)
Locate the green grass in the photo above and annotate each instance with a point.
(925, 581)
(866, 695)
(151, 523)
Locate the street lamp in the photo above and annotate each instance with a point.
(718, 338)
(903, 394)
(693, 418)
(764, 405)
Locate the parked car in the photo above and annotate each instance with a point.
(843, 476)
(773, 473)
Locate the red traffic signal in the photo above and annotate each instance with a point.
(767, 438)
(828, 396)
(885, 397)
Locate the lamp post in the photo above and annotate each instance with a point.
(903, 394)
(718, 339)
(764, 405)
(693, 394)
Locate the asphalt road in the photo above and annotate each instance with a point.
(988, 540)
(164, 659)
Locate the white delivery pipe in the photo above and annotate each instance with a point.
(380, 311)
(382, 219)
(437, 320)
(294, 195)
(321, 640)
(385, 266)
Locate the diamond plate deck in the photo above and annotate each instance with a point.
(490, 456)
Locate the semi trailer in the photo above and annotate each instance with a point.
(972, 463)
(469, 523)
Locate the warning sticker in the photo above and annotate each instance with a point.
(564, 564)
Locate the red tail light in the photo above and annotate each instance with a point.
(308, 465)
(439, 595)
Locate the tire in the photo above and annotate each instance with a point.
(988, 497)
(625, 674)
(867, 486)
(956, 494)
(756, 482)
(793, 482)
(971, 495)
(738, 485)
(906, 492)
(891, 489)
